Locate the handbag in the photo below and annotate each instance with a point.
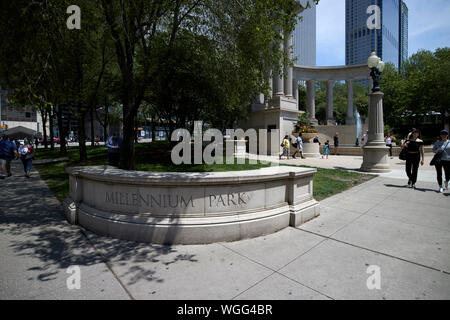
(437, 157)
(403, 154)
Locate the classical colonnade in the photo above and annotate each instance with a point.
(284, 85)
(331, 75)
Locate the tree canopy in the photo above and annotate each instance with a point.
(422, 87)
(184, 60)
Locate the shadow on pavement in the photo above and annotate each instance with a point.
(34, 231)
(406, 187)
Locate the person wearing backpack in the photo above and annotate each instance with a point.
(442, 149)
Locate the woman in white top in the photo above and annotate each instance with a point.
(443, 147)
(389, 144)
(26, 155)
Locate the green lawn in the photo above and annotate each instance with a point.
(328, 182)
(156, 157)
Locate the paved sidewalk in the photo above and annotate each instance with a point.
(427, 173)
(404, 232)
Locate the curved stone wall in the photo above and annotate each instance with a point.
(189, 208)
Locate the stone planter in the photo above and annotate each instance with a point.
(189, 208)
(308, 136)
(310, 149)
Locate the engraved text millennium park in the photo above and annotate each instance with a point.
(173, 201)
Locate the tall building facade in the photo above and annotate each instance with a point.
(389, 39)
(304, 37)
(12, 116)
(403, 33)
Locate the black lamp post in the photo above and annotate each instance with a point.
(377, 67)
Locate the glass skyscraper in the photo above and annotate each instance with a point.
(390, 41)
(403, 33)
(304, 37)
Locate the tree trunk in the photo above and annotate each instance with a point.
(52, 133)
(62, 132)
(153, 129)
(105, 125)
(92, 126)
(44, 126)
(135, 131)
(82, 134)
(128, 151)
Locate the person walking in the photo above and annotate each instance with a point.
(365, 138)
(411, 133)
(299, 148)
(336, 143)
(442, 147)
(389, 144)
(326, 149)
(8, 152)
(415, 152)
(114, 144)
(26, 155)
(286, 145)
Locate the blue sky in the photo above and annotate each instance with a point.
(429, 28)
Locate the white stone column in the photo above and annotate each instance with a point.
(288, 70)
(278, 80)
(375, 151)
(350, 120)
(311, 100)
(295, 91)
(330, 108)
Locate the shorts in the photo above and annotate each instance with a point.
(4, 162)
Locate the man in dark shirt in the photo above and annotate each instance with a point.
(8, 152)
(336, 143)
(114, 144)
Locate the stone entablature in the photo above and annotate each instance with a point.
(331, 75)
(189, 208)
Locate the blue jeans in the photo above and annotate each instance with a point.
(26, 164)
(113, 159)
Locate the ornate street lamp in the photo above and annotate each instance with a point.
(375, 151)
(376, 66)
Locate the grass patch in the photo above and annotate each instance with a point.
(155, 157)
(152, 157)
(328, 182)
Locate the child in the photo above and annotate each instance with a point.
(326, 149)
(286, 145)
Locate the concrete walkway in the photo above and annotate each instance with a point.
(427, 173)
(404, 232)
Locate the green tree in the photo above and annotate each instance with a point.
(243, 38)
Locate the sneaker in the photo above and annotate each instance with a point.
(441, 190)
(409, 183)
(414, 186)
